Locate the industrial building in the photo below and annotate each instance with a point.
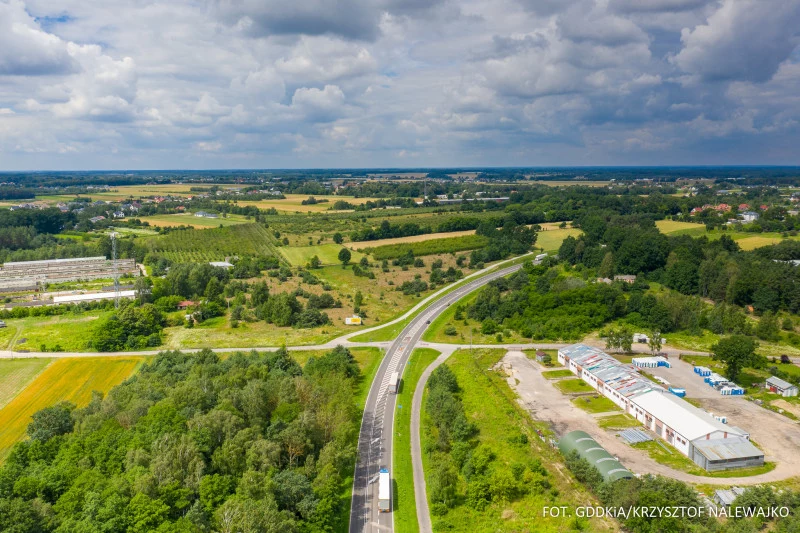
(692, 431)
(780, 386)
(31, 275)
(588, 448)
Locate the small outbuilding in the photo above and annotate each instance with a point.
(588, 448)
(782, 387)
(724, 454)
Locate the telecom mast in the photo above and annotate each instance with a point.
(116, 268)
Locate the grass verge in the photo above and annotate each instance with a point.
(595, 404)
(570, 386)
(620, 421)
(405, 507)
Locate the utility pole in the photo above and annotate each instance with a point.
(116, 268)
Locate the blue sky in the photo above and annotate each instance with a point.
(397, 83)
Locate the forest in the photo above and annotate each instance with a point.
(252, 443)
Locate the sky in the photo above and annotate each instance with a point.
(135, 84)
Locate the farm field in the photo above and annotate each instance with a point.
(70, 380)
(448, 245)
(294, 203)
(15, 374)
(550, 240)
(673, 226)
(402, 240)
(215, 244)
(327, 253)
(569, 183)
(188, 219)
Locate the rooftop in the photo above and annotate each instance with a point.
(682, 416)
(780, 383)
(725, 449)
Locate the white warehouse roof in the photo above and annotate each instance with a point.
(681, 416)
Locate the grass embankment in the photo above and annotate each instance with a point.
(72, 380)
(595, 404)
(491, 405)
(666, 455)
(15, 374)
(404, 505)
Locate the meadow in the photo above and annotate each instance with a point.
(70, 380)
(69, 332)
(428, 247)
(328, 254)
(550, 240)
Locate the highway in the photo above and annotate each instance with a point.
(377, 423)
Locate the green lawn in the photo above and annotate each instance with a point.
(595, 404)
(572, 386)
(327, 253)
(405, 507)
(555, 374)
(491, 406)
(621, 421)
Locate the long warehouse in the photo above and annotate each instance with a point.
(692, 431)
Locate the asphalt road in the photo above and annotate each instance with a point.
(377, 423)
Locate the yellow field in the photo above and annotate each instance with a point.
(15, 374)
(188, 219)
(67, 379)
(567, 183)
(751, 243)
(413, 238)
(671, 226)
(550, 240)
(294, 202)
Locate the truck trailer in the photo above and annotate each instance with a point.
(394, 382)
(384, 492)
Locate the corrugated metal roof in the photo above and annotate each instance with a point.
(680, 415)
(778, 382)
(726, 449)
(44, 262)
(621, 377)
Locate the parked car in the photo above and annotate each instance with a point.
(3, 324)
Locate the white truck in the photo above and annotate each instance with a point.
(384, 492)
(394, 382)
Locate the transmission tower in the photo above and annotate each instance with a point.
(116, 268)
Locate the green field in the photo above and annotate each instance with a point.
(215, 244)
(67, 333)
(492, 407)
(595, 404)
(66, 379)
(15, 374)
(746, 240)
(327, 253)
(404, 504)
(674, 226)
(188, 219)
(568, 386)
(550, 240)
